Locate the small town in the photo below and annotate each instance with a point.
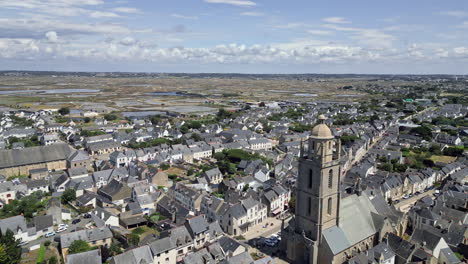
(233, 132)
(375, 181)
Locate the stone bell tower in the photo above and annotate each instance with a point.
(317, 196)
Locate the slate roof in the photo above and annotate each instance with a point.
(242, 258)
(162, 245)
(197, 224)
(86, 235)
(88, 257)
(228, 244)
(116, 190)
(200, 257)
(43, 222)
(355, 224)
(140, 255)
(429, 239)
(14, 224)
(33, 155)
(78, 155)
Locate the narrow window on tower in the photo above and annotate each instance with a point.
(330, 178)
(329, 207)
(311, 175)
(309, 206)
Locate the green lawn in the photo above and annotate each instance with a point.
(40, 258)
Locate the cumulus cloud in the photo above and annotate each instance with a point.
(128, 41)
(243, 3)
(336, 20)
(51, 36)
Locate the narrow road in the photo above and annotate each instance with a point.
(406, 204)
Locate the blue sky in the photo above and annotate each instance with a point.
(245, 36)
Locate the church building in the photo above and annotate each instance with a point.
(329, 228)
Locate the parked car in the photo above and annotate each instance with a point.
(61, 229)
(270, 243)
(23, 243)
(49, 234)
(87, 215)
(76, 221)
(63, 225)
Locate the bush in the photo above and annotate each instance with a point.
(164, 166)
(78, 246)
(64, 111)
(47, 243)
(133, 239)
(110, 117)
(68, 196)
(53, 260)
(453, 151)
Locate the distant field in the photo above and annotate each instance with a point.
(132, 94)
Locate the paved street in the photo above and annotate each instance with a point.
(406, 204)
(71, 228)
(260, 231)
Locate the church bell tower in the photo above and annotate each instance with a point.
(318, 196)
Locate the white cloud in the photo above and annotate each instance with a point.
(128, 41)
(336, 20)
(184, 17)
(372, 37)
(320, 32)
(232, 2)
(129, 10)
(252, 14)
(101, 14)
(290, 25)
(51, 36)
(457, 14)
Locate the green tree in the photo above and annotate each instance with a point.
(68, 195)
(110, 117)
(78, 246)
(10, 251)
(115, 249)
(133, 239)
(423, 131)
(87, 120)
(64, 111)
(453, 151)
(196, 137)
(386, 167)
(155, 119)
(3, 254)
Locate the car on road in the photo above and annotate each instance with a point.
(87, 215)
(76, 221)
(271, 243)
(61, 229)
(49, 234)
(63, 225)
